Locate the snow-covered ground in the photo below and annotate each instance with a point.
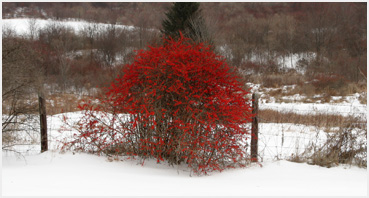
(54, 174)
(356, 110)
(348, 106)
(64, 174)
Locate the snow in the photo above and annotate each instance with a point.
(66, 174)
(52, 173)
(356, 110)
(284, 140)
(291, 61)
(350, 106)
(21, 25)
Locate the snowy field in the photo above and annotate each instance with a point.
(64, 174)
(356, 110)
(54, 174)
(340, 105)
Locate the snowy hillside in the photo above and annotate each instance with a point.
(21, 26)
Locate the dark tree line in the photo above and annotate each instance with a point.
(252, 36)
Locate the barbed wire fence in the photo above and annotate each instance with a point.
(284, 138)
(278, 137)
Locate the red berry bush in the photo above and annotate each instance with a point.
(178, 102)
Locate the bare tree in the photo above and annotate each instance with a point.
(61, 41)
(320, 27)
(107, 45)
(353, 30)
(33, 28)
(203, 30)
(89, 32)
(282, 35)
(21, 79)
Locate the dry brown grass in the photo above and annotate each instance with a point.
(346, 142)
(61, 103)
(305, 86)
(277, 79)
(346, 146)
(55, 104)
(318, 120)
(306, 89)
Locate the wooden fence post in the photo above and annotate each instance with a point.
(255, 128)
(43, 123)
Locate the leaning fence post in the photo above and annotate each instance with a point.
(43, 123)
(255, 128)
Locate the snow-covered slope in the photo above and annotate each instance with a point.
(21, 26)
